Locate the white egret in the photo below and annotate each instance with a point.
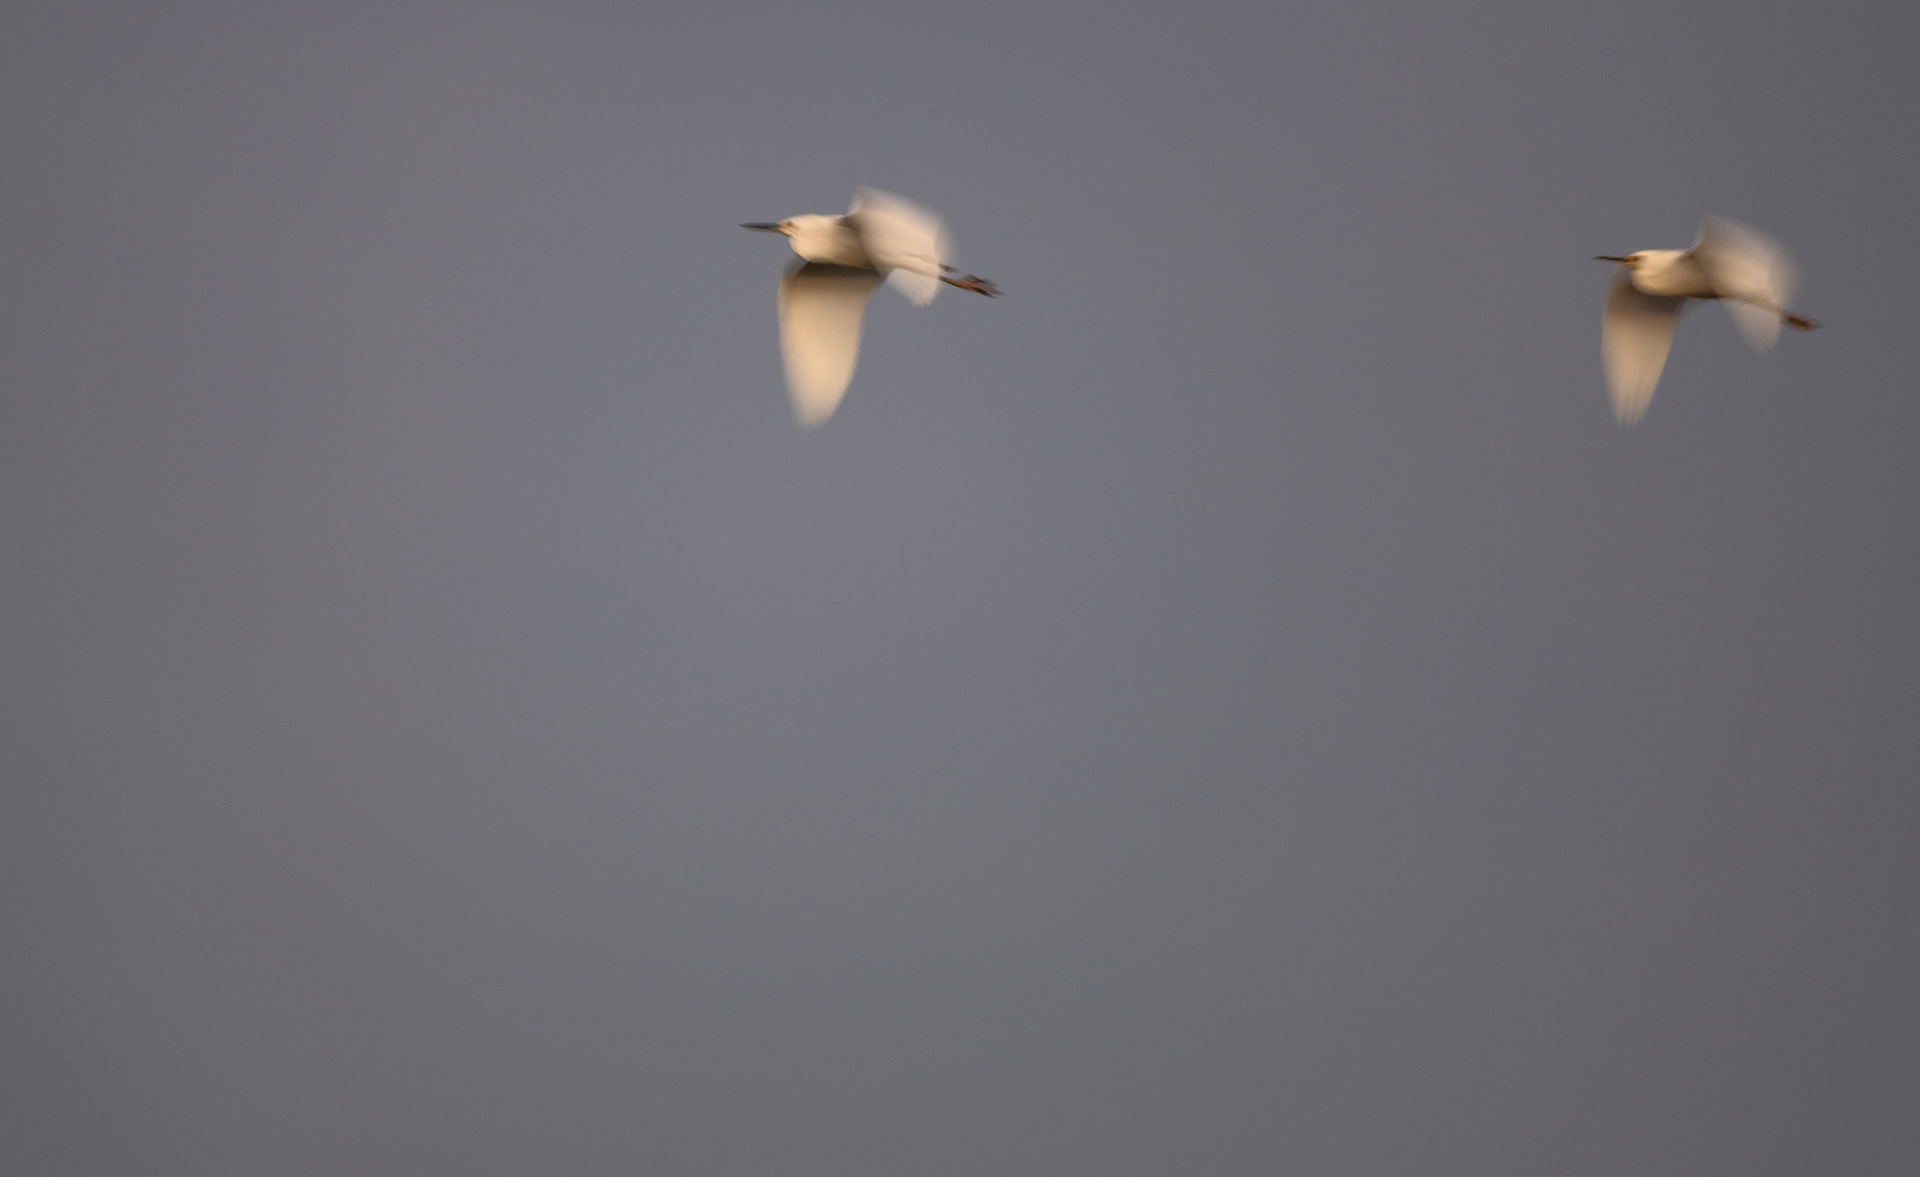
(1747, 271)
(843, 260)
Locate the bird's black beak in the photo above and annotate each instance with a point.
(1621, 260)
(763, 226)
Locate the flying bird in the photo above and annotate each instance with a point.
(843, 260)
(1748, 272)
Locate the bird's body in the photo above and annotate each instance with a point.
(821, 302)
(1670, 273)
(1748, 273)
(831, 240)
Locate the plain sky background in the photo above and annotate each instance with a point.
(1236, 705)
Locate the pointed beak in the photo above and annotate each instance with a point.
(763, 226)
(1603, 258)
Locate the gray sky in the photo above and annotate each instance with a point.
(1236, 705)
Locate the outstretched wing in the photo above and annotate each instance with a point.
(1636, 332)
(1752, 275)
(820, 310)
(907, 243)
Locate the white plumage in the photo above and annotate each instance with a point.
(1748, 272)
(843, 261)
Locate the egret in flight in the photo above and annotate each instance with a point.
(1748, 272)
(843, 260)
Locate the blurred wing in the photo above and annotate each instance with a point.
(820, 311)
(907, 243)
(1636, 332)
(1752, 275)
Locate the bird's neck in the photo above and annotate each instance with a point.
(1670, 272)
(828, 239)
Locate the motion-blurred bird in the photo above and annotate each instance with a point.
(843, 261)
(1747, 271)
